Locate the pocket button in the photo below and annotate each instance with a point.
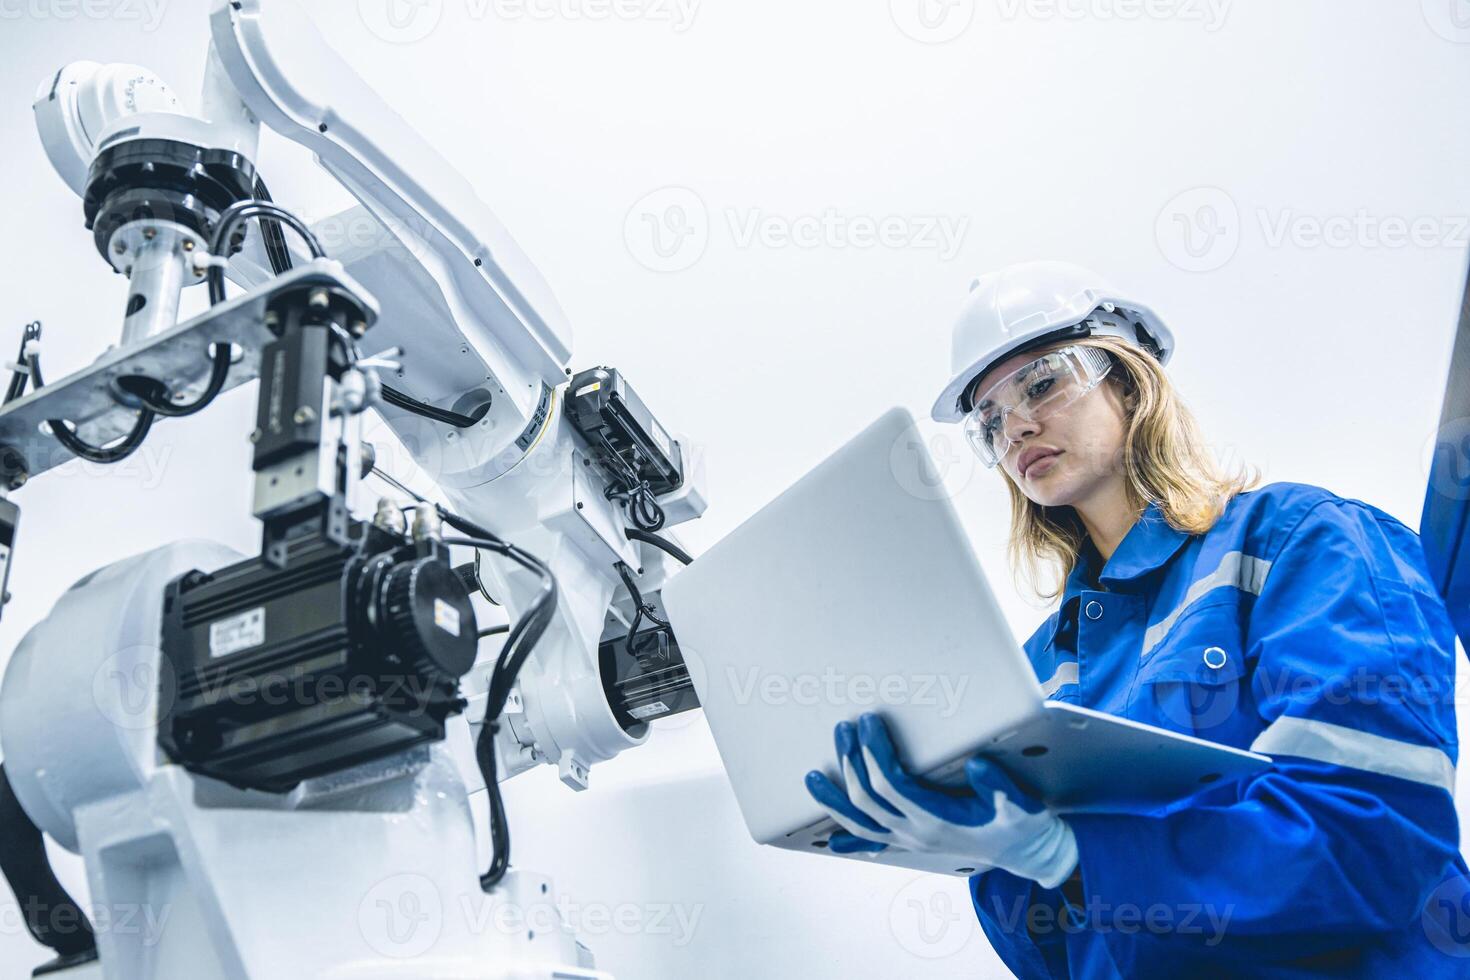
(1214, 658)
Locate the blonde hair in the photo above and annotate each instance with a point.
(1164, 461)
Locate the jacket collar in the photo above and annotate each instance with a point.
(1148, 545)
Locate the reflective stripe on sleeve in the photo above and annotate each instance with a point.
(1244, 572)
(1066, 674)
(1352, 749)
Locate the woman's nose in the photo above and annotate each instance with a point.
(1017, 428)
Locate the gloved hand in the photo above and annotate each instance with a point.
(995, 826)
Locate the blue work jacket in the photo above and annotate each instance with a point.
(1304, 626)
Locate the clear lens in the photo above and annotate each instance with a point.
(1032, 392)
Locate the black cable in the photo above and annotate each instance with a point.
(271, 236)
(241, 211)
(641, 610)
(162, 404)
(522, 639)
(662, 544)
(493, 630)
(280, 260)
(410, 404)
(41, 897)
(635, 494)
(114, 453)
(95, 454)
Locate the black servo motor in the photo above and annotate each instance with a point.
(625, 439)
(351, 651)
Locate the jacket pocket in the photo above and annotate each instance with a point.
(1196, 680)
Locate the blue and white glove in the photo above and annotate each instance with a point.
(995, 826)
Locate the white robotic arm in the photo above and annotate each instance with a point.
(479, 327)
(481, 335)
(482, 401)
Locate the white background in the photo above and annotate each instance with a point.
(1097, 131)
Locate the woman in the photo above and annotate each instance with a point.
(1283, 619)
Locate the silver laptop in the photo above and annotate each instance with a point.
(857, 590)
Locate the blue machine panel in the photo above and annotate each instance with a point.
(1444, 527)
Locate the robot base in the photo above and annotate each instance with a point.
(366, 873)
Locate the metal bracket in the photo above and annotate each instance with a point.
(178, 357)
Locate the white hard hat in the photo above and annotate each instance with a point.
(1032, 303)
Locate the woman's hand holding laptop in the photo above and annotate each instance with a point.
(991, 823)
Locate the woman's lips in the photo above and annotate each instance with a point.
(1041, 466)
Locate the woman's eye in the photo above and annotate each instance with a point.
(1039, 387)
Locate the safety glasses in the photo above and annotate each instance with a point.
(1032, 392)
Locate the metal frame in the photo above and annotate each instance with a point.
(179, 357)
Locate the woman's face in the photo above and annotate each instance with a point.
(1071, 455)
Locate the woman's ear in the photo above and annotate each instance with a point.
(1126, 389)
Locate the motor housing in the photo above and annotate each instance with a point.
(347, 653)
